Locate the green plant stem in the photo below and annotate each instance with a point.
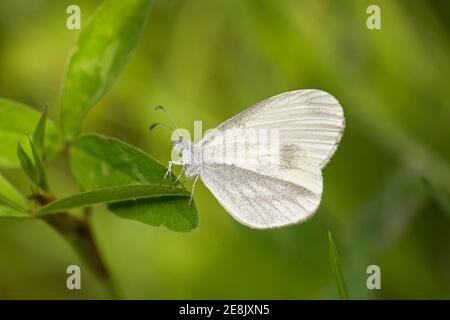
(78, 232)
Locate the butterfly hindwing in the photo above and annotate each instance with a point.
(260, 201)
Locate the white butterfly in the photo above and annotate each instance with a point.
(308, 126)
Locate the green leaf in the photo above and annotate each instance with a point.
(26, 164)
(35, 171)
(10, 197)
(15, 120)
(39, 134)
(102, 162)
(113, 194)
(174, 214)
(438, 196)
(104, 47)
(7, 212)
(41, 177)
(337, 270)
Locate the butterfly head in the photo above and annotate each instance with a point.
(178, 142)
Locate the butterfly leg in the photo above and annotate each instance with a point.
(169, 171)
(179, 176)
(193, 187)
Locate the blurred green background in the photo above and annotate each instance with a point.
(207, 60)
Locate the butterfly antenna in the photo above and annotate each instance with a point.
(161, 108)
(157, 124)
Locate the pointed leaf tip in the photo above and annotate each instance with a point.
(336, 267)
